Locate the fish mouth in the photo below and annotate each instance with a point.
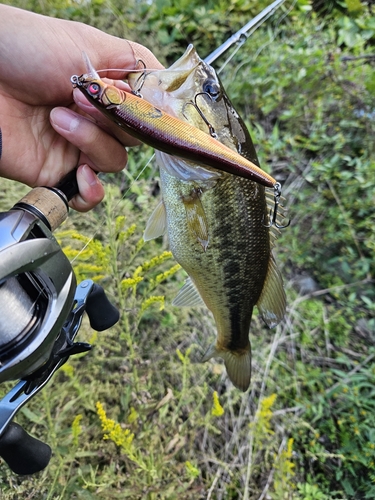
(177, 74)
(173, 79)
(188, 61)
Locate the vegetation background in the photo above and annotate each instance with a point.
(177, 429)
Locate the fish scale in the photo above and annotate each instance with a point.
(238, 232)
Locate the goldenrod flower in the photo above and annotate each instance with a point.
(156, 261)
(113, 431)
(154, 299)
(217, 409)
(163, 276)
(130, 282)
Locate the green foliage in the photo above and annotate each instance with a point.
(339, 445)
(309, 491)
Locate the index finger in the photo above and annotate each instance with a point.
(118, 68)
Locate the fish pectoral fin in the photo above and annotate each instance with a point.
(188, 296)
(185, 170)
(237, 364)
(157, 223)
(196, 218)
(272, 300)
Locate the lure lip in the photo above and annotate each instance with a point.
(91, 74)
(90, 68)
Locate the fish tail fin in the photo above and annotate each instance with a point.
(238, 365)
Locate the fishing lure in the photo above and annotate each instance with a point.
(164, 132)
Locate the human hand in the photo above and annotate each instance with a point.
(47, 130)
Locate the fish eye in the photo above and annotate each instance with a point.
(93, 89)
(212, 88)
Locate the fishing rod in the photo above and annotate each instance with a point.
(41, 305)
(245, 32)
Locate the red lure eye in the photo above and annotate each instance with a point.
(94, 89)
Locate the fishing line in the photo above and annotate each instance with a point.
(124, 70)
(255, 22)
(230, 57)
(246, 36)
(275, 33)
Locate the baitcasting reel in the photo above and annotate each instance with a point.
(41, 310)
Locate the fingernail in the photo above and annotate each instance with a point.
(89, 176)
(64, 119)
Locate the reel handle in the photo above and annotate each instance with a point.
(102, 314)
(23, 453)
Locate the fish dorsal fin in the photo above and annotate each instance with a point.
(188, 296)
(157, 223)
(196, 217)
(272, 300)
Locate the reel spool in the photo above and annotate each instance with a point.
(18, 314)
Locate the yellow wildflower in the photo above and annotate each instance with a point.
(163, 276)
(137, 272)
(217, 409)
(154, 299)
(156, 261)
(113, 431)
(130, 282)
(119, 223)
(124, 235)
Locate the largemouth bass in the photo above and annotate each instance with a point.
(216, 223)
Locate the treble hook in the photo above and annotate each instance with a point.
(210, 127)
(140, 81)
(273, 216)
